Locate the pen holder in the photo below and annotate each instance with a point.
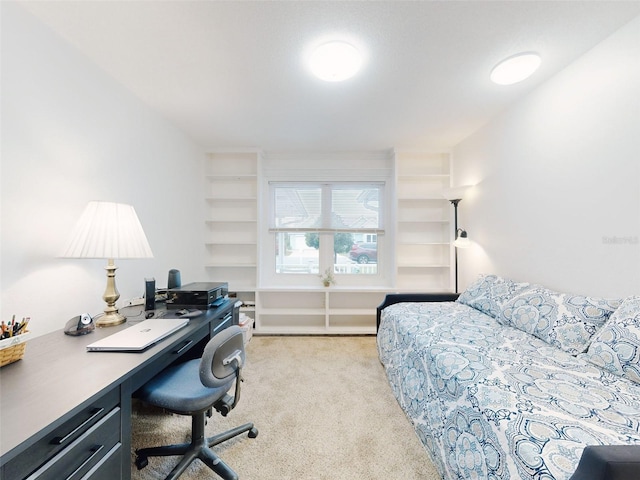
(12, 349)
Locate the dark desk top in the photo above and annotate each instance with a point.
(57, 376)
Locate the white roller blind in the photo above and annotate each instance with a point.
(327, 207)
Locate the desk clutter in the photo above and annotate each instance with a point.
(13, 340)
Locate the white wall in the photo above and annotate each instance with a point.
(557, 199)
(71, 134)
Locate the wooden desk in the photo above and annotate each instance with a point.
(66, 412)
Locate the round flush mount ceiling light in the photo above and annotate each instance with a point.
(335, 61)
(515, 68)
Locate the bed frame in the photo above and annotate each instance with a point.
(392, 298)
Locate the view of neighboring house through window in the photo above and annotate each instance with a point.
(320, 226)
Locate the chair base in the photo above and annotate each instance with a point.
(200, 448)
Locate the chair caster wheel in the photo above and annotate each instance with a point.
(253, 433)
(141, 462)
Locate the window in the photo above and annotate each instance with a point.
(329, 225)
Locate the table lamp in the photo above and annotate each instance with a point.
(108, 230)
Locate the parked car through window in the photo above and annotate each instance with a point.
(364, 253)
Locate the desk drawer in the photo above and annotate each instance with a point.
(222, 322)
(109, 467)
(63, 436)
(85, 452)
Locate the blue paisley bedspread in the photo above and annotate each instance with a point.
(492, 402)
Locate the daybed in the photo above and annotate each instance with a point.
(513, 380)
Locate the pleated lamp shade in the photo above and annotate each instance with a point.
(108, 230)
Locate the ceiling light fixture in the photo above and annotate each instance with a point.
(335, 61)
(515, 68)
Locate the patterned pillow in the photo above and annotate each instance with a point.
(563, 320)
(489, 293)
(616, 348)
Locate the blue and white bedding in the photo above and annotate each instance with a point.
(492, 401)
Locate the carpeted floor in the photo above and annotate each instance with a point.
(323, 408)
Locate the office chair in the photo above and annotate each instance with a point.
(194, 388)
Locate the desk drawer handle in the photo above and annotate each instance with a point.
(60, 440)
(94, 451)
(184, 347)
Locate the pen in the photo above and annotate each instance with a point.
(23, 326)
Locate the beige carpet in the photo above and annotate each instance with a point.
(324, 411)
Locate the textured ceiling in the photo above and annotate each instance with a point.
(232, 74)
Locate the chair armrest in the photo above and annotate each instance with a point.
(392, 298)
(609, 462)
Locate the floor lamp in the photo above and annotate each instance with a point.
(454, 195)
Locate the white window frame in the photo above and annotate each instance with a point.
(331, 168)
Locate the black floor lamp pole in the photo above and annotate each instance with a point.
(455, 233)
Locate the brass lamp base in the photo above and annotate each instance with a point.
(111, 295)
(110, 320)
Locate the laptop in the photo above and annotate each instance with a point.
(139, 336)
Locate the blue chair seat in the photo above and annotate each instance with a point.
(179, 390)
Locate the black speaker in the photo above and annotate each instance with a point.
(149, 294)
(174, 279)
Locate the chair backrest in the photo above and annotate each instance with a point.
(222, 358)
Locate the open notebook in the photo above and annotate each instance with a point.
(140, 336)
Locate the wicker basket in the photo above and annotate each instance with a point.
(12, 349)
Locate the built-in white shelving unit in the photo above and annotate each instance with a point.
(232, 185)
(319, 311)
(421, 229)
